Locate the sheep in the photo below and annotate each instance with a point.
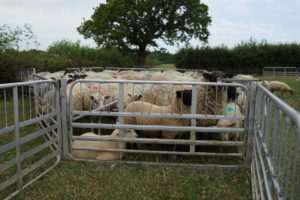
(241, 97)
(181, 104)
(102, 155)
(264, 83)
(211, 100)
(231, 110)
(279, 86)
(298, 79)
(243, 76)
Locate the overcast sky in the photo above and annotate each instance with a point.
(232, 20)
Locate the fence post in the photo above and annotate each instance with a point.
(251, 124)
(17, 137)
(64, 119)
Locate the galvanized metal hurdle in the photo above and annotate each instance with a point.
(193, 129)
(270, 136)
(21, 162)
(275, 165)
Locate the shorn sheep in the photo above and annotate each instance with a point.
(102, 155)
(231, 110)
(181, 104)
(279, 86)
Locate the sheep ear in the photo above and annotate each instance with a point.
(139, 97)
(70, 76)
(207, 76)
(92, 97)
(178, 93)
(53, 78)
(232, 124)
(129, 95)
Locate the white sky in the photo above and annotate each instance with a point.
(232, 20)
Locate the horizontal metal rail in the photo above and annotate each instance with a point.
(144, 114)
(162, 152)
(157, 128)
(160, 141)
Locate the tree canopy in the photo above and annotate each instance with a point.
(134, 25)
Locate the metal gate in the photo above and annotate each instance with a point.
(29, 134)
(276, 148)
(199, 146)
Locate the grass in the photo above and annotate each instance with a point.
(78, 180)
(90, 181)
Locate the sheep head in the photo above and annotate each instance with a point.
(99, 101)
(216, 75)
(128, 133)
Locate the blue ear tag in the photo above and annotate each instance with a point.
(229, 109)
(148, 75)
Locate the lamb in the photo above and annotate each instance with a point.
(181, 104)
(102, 155)
(231, 110)
(279, 86)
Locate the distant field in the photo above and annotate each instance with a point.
(171, 66)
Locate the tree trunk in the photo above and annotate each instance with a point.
(141, 56)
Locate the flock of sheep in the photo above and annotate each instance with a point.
(154, 98)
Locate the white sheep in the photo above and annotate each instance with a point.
(181, 104)
(102, 155)
(243, 76)
(231, 110)
(279, 86)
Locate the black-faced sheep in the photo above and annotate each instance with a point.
(181, 104)
(102, 155)
(211, 100)
(279, 86)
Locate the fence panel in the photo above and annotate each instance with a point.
(29, 134)
(199, 146)
(276, 151)
(281, 71)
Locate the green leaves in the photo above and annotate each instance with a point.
(15, 38)
(137, 24)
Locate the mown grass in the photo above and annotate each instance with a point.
(91, 181)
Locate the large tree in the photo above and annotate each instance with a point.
(137, 24)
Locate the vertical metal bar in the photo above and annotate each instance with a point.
(59, 117)
(121, 104)
(5, 107)
(23, 103)
(17, 136)
(251, 124)
(65, 111)
(193, 120)
(30, 107)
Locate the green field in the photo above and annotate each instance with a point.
(74, 180)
